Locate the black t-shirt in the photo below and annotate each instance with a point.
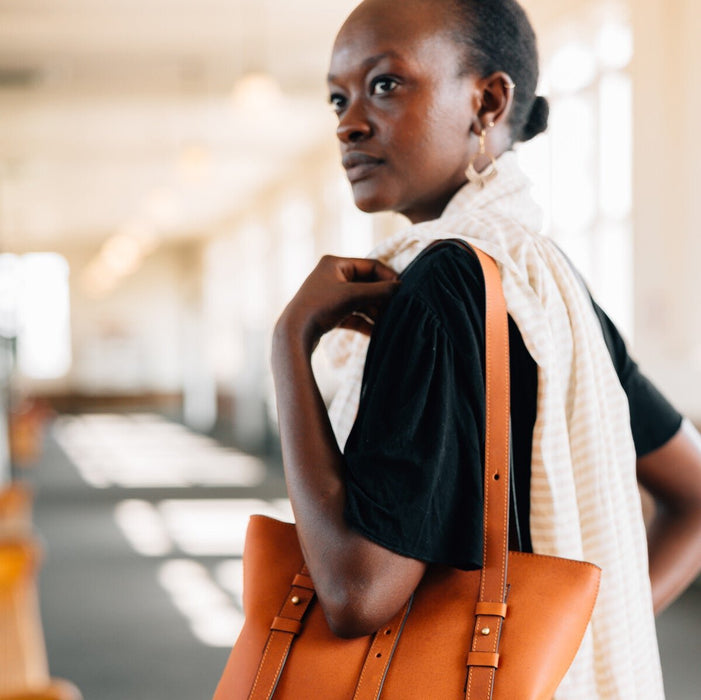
(415, 453)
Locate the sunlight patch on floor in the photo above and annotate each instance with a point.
(144, 450)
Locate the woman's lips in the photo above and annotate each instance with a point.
(360, 165)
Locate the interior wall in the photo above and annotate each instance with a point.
(667, 206)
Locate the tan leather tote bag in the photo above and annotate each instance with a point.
(508, 631)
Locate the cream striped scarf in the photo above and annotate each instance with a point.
(584, 499)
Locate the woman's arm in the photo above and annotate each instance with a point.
(672, 474)
(361, 585)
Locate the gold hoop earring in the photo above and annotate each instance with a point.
(482, 178)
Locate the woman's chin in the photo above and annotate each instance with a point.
(370, 202)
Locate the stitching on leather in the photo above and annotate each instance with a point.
(487, 442)
(507, 476)
(495, 642)
(395, 640)
(283, 659)
(271, 638)
(361, 680)
(262, 664)
(376, 644)
(563, 560)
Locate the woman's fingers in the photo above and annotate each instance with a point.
(340, 291)
(365, 269)
(369, 293)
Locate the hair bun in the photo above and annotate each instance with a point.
(537, 119)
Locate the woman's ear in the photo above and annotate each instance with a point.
(497, 95)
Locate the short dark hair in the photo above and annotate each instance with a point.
(499, 37)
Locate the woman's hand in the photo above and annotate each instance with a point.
(346, 292)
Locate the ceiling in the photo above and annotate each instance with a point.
(120, 114)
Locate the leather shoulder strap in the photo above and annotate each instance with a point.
(491, 609)
(483, 658)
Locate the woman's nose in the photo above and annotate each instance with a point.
(353, 125)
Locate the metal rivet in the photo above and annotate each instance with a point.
(295, 600)
(485, 631)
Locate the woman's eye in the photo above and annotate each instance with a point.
(381, 86)
(337, 102)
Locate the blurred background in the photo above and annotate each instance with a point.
(168, 176)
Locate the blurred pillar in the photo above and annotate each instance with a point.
(6, 364)
(4, 448)
(199, 387)
(667, 199)
(198, 383)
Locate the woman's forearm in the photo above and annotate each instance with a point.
(674, 542)
(359, 583)
(672, 474)
(313, 461)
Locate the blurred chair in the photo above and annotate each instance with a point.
(15, 510)
(27, 423)
(24, 667)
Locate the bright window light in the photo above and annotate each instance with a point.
(295, 223)
(614, 45)
(616, 145)
(35, 307)
(572, 68)
(582, 165)
(9, 293)
(573, 129)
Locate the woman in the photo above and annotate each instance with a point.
(426, 92)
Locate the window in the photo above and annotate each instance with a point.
(582, 166)
(35, 308)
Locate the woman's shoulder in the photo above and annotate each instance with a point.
(442, 273)
(442, 290)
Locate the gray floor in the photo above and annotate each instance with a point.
(112, 629)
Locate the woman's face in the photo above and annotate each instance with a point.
(404, 110)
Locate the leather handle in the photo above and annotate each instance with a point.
(496, 450)
(491, 609)
(379, 656)
(284, 628)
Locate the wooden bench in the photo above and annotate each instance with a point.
(16, 501)
(24, 669)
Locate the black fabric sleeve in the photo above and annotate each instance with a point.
(414, 455)
(653, 419)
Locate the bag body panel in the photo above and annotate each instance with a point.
(542, 631)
